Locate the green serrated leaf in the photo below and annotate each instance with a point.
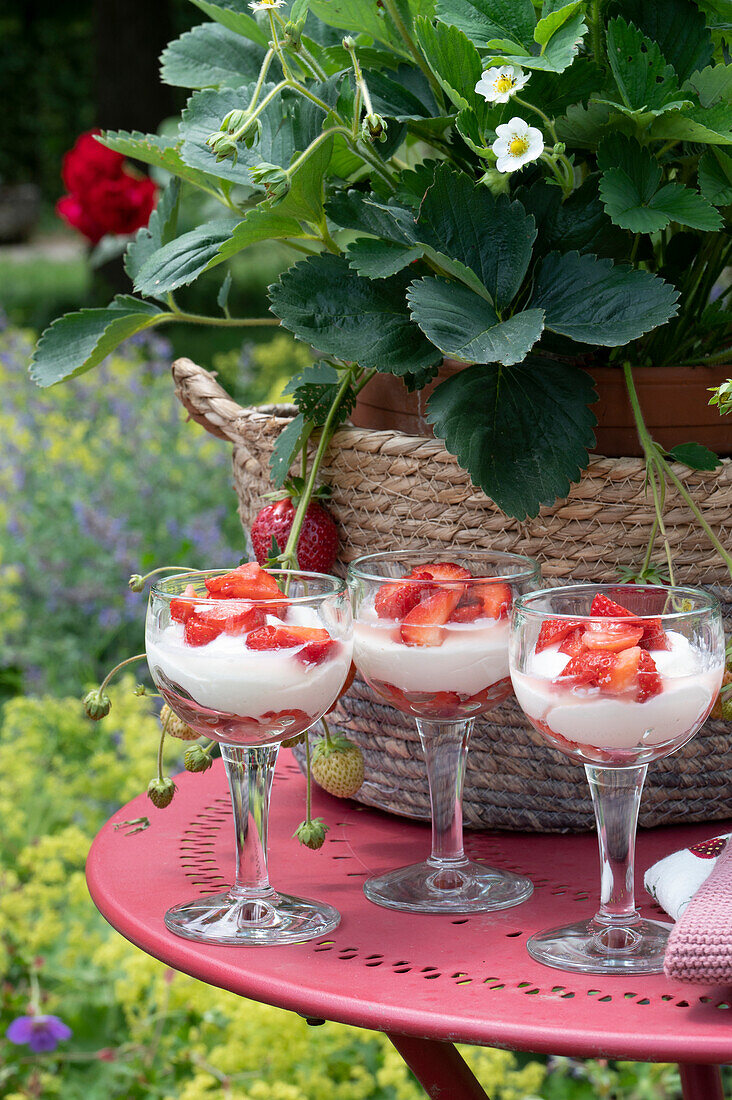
(523, 433)
(160, 229)
(550, 23)
(708, 126)
(314, 390)
(209, 56)
(322, 301)
(390, 221)
(289, 442)
(379, 259)
(157, 151)
(596, 302)
(222, 298)
(554, 92)
(687, 207)
(356, 16)
(454, 61)
(492, 237)
(182, 260)
(644, 78)
(715, 177)
(403, 95)
(466, 327)
(582, 126)
(79, 341)
(299, 10)
(230, 14)
(557, 54)
(677, 26)
(713, 84)
(483, 20)
(695, 456)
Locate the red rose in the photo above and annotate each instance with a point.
(88, 162)
(72, 210)
(122, 205)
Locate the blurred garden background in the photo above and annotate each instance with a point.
(99, 479)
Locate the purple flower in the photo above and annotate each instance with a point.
(41, 1033)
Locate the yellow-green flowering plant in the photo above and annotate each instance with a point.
(521, 186)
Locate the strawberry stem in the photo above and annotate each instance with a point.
(116, 669)
(163, 731)
(309, 780)
(326, 731)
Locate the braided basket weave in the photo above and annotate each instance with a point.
(392, 490)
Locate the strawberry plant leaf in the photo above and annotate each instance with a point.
(182, 260)
(466, 326)
(288, 443)
(79, 341)
(695, 456)
(210, 55)
(222, 298)
(355, 16)
(482, 20)
(454, 61)
(715, 177)
(677, 26)
(379, 259)
(597, 302)
(551, 21)
(159, 231)
(229, 14)
(322, 301)
(708, 126)
(522, 432)
(713, 84)
(645, 80)
(159, 152)
(314, 390)
(557, 54)
(403, 95)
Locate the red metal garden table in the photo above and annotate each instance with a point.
(426, 981)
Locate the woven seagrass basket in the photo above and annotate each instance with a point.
(392, 490)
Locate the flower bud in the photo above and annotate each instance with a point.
(97, 704)
(160, 792)
(293, 33)
(312, 833)
(497, 182)
(373, 128)
(275, 180)
(223, 145)
(233, 120)
(136, 583)
(348, 43)
(175, 726)
(140, 689)
(197, 759)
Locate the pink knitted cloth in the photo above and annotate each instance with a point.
(700, 945)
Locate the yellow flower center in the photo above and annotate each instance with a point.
(518, 146)
(504, 84)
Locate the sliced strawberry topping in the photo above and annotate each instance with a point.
(315, 642)
(197, 631)
(654, 636)
(590, 668)
(467, 612)
(554, 630)
(496, 598)
(248, 582)
(423, 625)
(623, 674)
(611, 636)
(649, 679)
(608, 609)
(441, 571)
(572, 644)
(182, 607)
(394, 601)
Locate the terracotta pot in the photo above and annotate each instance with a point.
(675, 403)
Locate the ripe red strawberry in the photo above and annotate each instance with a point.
(247, 582)
(624, 672)
(182, 607)
(441, 571)
(423, 625)
(467, 612)
(316, 643)
(654, 636)
(588, 668)
(497, 599)
(198, 631)
(649, 680)
(612, 637)
(572, 644)
(317, 545)
(554, 630)
(395, 600)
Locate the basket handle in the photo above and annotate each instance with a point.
(205, 400)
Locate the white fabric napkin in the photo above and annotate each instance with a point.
(674, 880)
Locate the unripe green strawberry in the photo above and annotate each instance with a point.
(160, 792)
(197, 760)
(337, 766)
(97, 704)
(312, 833)
(176, 727)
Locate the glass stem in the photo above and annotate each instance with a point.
(445, 747)
(250, 772)
(616, 795)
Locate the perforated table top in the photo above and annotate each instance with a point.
(463, 978)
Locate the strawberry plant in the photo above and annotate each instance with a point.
(525, 187)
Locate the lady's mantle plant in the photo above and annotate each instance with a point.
(518, 185)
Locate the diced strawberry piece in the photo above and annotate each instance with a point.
(423, 625)
(572, 644)
(496, 598)
(199, 631)
(623, 674)
(238, 618)
(467, 612)
(611, 636)
(654, 636)
(394, 601)
(608, 609)
(554, 630)
(649, 679)
(183, 606)
(441, 571)
(248, 582)
(588, 668)
(315, 643)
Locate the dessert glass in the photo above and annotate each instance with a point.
(250, 700)
(615, 677)
(435, 646)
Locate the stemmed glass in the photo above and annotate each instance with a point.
(615, 677)
(431, 638)
(250, 658)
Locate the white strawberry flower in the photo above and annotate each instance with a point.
(499, 84)
(516, 144)
(266, 5)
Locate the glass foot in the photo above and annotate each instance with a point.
(431, 887)
(593, 948)
(242, 922)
